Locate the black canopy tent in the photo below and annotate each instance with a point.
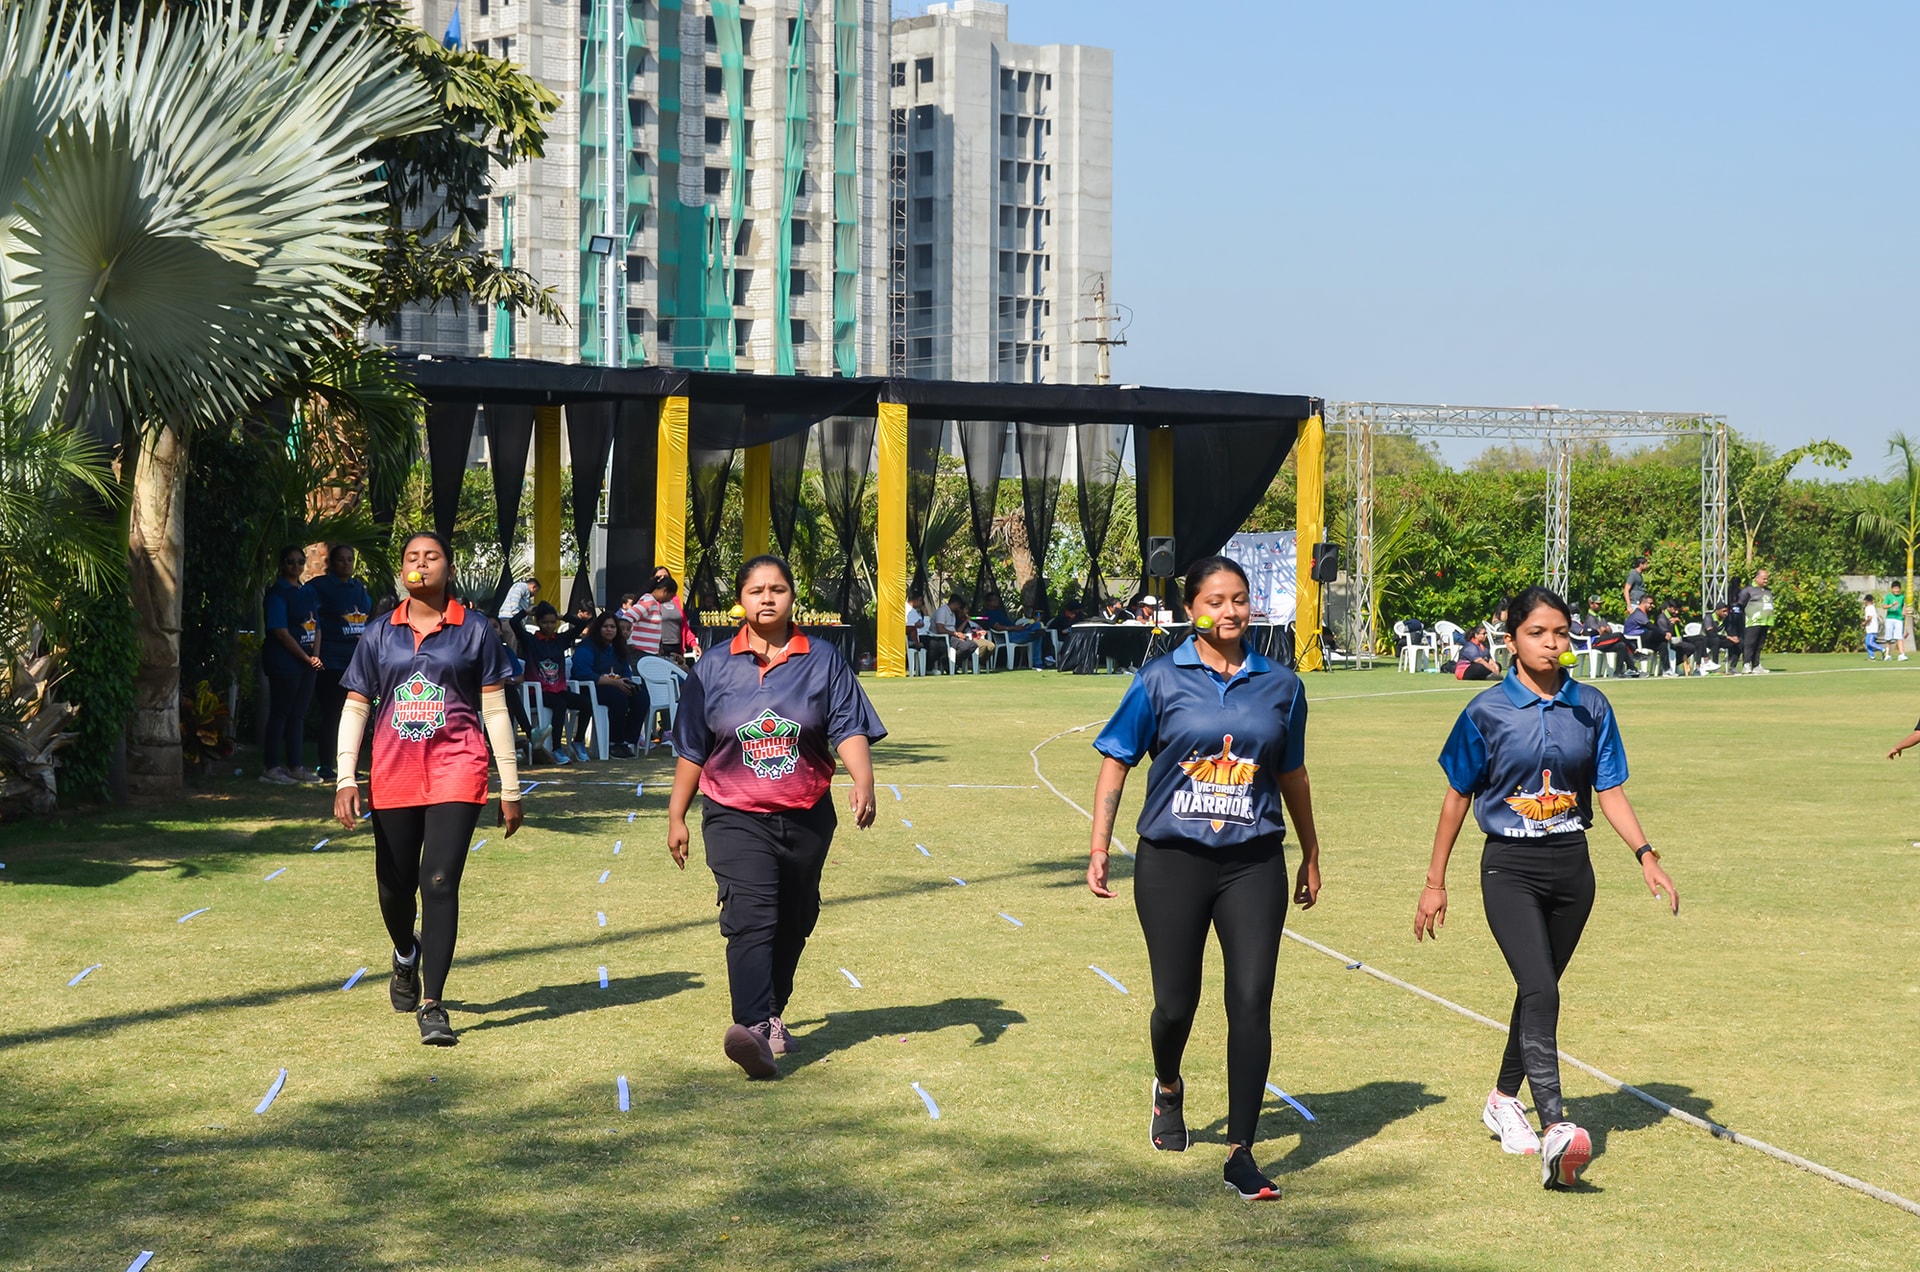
(1202, 457)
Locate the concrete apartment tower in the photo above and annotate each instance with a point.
(711, 194)
(1001, 174)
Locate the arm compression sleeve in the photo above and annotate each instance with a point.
(493, 713)
(353, 727)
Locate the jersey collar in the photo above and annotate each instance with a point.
(455, 614)
(1521, 696)
(795, 647)
(1187, 654)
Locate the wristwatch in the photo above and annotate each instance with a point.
(1640, 853)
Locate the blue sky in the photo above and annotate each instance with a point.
(1653, 206)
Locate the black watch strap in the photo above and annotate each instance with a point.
(1640, 853)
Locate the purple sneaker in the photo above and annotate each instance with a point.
(779, 1039)
(749, 1049)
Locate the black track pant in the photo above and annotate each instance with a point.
(423, 849)
(767, 866)
(1538, 894)
(1182, 890)
(1751, 638)
(287, 697)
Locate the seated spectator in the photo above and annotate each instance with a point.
(995, 618)
(1114, 612)
(601, 661)
(516, 703)
(919, 626)
(1607, 639)
(1070, 613)
(1476, 661)
(1639, 627)
(950, 623)
(1714, 642)
(1149, 611)
(546, 646)
(1666, 633)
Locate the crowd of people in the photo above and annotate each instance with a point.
(950, 635)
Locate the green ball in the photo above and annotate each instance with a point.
(1204, 622)
(1569, 659)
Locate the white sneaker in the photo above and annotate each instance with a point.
(1763, 671)
(278, 777)
(1709, 666)
(1903, 658)
(1564, 1153)
(1505, 1117)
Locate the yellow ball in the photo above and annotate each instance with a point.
(1569, 659)
(414, 576)
(1204, 622)
(736, 613)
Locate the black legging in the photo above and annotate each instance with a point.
(288, 694)
(767, 867)
(1751, 638)
(1537, 894)
(423, 849)
(562, 702)
(1180, 890)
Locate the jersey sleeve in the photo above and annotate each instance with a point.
(1293, 753)
(1609, 756)
(692, 739)
(849, 712)
(363, 672)
(275, 611)
(1464, 758)
(496, 665)
(1130, 732)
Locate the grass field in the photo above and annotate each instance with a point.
(1783, 1002)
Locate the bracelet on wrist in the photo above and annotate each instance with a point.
(1436, 887)
(1103, 851)
(1641, 853)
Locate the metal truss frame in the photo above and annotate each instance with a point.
(1559, 429)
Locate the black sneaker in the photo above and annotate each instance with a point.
(1244, 1177)
(1169, 1125)
(404, 989)
(435, 1030)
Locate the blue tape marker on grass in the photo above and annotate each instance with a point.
(272, 1093)
(527, 786)
(906, 823)
(603, 978)
(275, 875)
(194, 914)
(602, 916)
(616, 847)
(353, 980)
(630, 817)
(957, 879)
(852, 979)
(923, 850)
(604, 874)
(84, 973)
(933, 1109)
(1298, 1107)
(146, 1257)
(895, 790)
(322, 844)
(477, 847)
(621, 1083)
(639, 790)
(1103, 976)
(1009, 918)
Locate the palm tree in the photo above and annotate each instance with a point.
(184, 223)
(1896, 528)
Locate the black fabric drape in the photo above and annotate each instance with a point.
(631, 494)
(449, 441)
(1219, 476)
(589, 438)
(846, 450)
(509, 433)
(925, 440)
(789, 468)
(1099, 465)
(983, 444)
(1043, 452)
(707, 481)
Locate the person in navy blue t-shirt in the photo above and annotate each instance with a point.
(290, 656)
(342, 607)
(1227, 732)
(601, 661)
(759, 724)
(1527, 756)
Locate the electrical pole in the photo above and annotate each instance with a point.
(1103, 340)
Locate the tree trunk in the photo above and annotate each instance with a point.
(156, 557)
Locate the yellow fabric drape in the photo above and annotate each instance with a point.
(756, 497)
(890, 603)
(546, 503)
(670, 492)
(1310, 460)
(1160, 494)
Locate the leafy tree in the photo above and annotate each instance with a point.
(1755, 479)
(1894, 523)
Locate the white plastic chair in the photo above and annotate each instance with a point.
(537, 712)
(1450, 637)
(600, 727)
(953, 659)
(1497, 645)
(662, 680)
(1411, 650)
(1010, 650)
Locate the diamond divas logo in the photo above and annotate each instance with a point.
(419, 709)
(769, 745)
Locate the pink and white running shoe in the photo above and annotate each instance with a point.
(1507, 1119)
(1564, 1153)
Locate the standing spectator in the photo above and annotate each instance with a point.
(1895, 609)
(601, 661)
(342, 609)
(950, 621)
(546, 647)
(1755, 604)
(1634, 590)
(290, 657)
(1870, 619)
(1665, 634)
(520, 598)
(676, 633)
(1474, 662)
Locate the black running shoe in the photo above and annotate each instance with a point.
(404, 989)
(435, 1030)
(1169, 1125)
(1244, 1177)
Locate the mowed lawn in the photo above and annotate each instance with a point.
(1784, 1002)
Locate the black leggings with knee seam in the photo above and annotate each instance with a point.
(423, 849)
(1180, 891)
(1538, 894)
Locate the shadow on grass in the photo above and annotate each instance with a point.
(1618, 1111)
(555, 1002)
(1342, 1119)
(842, 1030)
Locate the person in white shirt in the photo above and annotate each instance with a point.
(1871, 618)
(917, 621)
(950, 621)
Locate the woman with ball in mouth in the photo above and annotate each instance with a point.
(432, 678)
(1530, 756)
(760, 722)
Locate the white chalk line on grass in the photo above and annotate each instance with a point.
(1470, 686)
(1711, 1127)
(1035, 754)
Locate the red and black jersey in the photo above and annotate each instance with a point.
(764, 735)
(429, 746)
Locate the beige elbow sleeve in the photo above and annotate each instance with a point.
(493, 713)
(353, 727)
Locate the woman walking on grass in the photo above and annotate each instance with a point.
(1227, 732)
(760, 721)
(1527, 756)
(433, 677)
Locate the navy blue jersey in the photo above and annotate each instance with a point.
(292, 606)
(764, 735)
(342, 607)
(1219, 746)
(1531, 764)
(592, 660)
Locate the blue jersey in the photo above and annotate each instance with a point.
(764, 735)
(1531, 764)
(292, 606)
(342, 609)
(1218, 745)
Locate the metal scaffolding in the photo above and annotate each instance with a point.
(1557, 429)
